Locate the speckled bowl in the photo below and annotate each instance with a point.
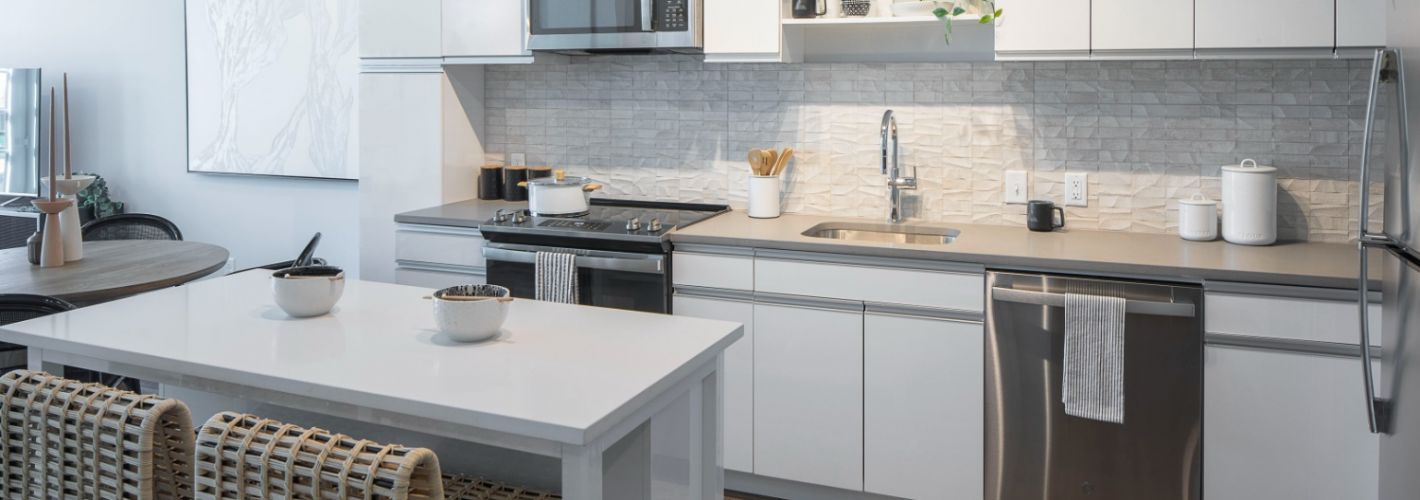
(471, 313)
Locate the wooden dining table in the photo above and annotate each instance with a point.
(112, 270)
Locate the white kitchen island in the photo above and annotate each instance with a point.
(563, 381)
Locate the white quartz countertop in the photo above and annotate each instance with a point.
(558, 372)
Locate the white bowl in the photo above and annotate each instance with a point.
(306, 296)
(479, 316)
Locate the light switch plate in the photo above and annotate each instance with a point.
(1077, 189)
(1017, 189)
(517, 159)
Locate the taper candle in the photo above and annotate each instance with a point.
(52, 180)
(68, 169)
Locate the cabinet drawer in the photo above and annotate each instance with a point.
(731, 269)
(1289, 318)
(452, 246)
(916, 283)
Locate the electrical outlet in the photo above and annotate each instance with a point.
(1077, 189)
(1017, 190)
(517, 159)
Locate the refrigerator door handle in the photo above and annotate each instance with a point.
(1382, 59)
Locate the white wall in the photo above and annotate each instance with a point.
(126, 67)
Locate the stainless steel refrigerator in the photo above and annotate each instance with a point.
(1391, 254)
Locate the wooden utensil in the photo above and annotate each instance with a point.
(767, 160)
(782, 162)
(773, 160)
(755, 160)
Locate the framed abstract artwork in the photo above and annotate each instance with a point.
(271, 87)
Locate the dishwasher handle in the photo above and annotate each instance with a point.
(1149, 307)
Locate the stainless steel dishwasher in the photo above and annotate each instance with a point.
(1035, 451)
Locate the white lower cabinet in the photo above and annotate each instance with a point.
(739, 374)
(1285, 426)
(808, 394)
(922, 402)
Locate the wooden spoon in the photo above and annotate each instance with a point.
(767, 159)
(773, 160)
(783, 161)
(755, 161)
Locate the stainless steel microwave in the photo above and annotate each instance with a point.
(593, 26)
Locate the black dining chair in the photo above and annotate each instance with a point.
(306, 258)
(131, 227)
(17, 307)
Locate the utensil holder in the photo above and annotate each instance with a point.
(764, 192)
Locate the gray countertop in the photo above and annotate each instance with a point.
(1163, 257)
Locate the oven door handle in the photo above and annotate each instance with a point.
(586, 259)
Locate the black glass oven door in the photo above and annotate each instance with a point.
(619, 280)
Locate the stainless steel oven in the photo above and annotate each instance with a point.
(622, 280)
(589, 26)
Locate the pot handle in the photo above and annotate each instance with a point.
(522, 184)
(591, 187)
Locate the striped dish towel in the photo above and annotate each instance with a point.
(1093, 385)
(556, 277)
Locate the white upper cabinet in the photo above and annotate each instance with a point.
(1361, 23)
(485, 29)
(1043, 29)
(1265, 24)
(399, 28)
(1140, 25)
(742, 31)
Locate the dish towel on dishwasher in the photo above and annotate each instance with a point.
(1093, 385)
(556, 277)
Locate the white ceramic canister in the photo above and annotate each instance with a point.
(1249, 203)
(764, 196)
(1198, 218)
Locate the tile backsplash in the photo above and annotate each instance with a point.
(1147, 133)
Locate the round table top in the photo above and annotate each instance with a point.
(112, 269)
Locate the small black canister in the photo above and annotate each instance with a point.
(490, 182)
(539, 172)
(805, 9)
(512, 175)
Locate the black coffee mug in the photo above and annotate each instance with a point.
(1040, 216)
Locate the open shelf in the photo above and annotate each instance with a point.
(865, 20)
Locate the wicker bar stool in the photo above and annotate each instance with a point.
(249, 457)
(62, 438)
(467, 488)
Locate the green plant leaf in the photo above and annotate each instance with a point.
(998, 12)
(939, 12)
(958, 11)
(986, 19)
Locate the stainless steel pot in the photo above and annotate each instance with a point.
(560, 195)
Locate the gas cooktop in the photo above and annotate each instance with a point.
(607, 221)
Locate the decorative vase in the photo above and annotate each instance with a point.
(52, 247)
(70, 225)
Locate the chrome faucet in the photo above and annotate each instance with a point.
(896, 182)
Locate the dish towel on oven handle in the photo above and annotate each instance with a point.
(556, 277)
(1093, 382)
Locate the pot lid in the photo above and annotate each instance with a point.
(1249, 166)
(560, 178)
(1197, 199)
